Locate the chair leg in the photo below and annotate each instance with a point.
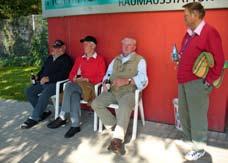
(141, 110)
(57, 92)
(135, 120)
(56, 105)
(56, 111)
(53, 100)
(80, 112)
(100, 126)
(95, 122)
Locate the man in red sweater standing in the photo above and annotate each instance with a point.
(89, 67)
(193, 92)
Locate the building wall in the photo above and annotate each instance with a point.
(156, 32)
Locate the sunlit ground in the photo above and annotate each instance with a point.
(155, 142)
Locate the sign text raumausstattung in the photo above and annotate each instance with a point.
(156, 2)
(56, 8)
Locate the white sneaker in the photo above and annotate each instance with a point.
(194, 155)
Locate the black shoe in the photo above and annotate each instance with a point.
(117, 146)
(72, 131)
(56, 123)
(29, 123)
(45, 115)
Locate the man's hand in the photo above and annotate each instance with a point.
(206, 83)
(105, 89)
(75, 79)
(120, 82)
(44, 80)
(80, 79)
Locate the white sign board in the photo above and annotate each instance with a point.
(58, 8)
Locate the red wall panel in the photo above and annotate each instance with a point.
(156, 32)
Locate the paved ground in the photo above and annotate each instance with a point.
(154, 144)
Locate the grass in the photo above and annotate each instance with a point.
(14, 80)
(226, 64)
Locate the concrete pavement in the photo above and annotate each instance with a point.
(154, 144)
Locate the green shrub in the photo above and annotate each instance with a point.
(39, 48)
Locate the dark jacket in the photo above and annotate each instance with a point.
(56, 70)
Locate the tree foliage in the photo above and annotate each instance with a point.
(15, 8)
(20, 43)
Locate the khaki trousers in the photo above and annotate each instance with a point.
(193, 107)
(126, 103)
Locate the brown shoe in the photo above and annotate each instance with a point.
(116, 146)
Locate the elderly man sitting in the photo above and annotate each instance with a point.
(56, 68)
(126, 72)
(89, 69)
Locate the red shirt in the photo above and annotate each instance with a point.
(92, 68)
(209, 41)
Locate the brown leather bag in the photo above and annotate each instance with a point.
(88, 92)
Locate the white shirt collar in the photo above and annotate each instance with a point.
(198, 29)
(125, 59)
(93, 56)
(128, 56)
(55, 57)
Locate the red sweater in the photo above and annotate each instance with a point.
(93, 68)
(209, 41)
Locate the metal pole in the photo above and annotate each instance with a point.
(33, 23)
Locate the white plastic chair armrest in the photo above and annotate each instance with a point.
(64, 85)
(96, 87)
(57, 96)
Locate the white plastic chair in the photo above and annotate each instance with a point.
(176, 114)
(137, 108)
(56, 99)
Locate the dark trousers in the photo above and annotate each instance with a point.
(38, 95)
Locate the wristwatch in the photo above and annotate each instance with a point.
(129, 81)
